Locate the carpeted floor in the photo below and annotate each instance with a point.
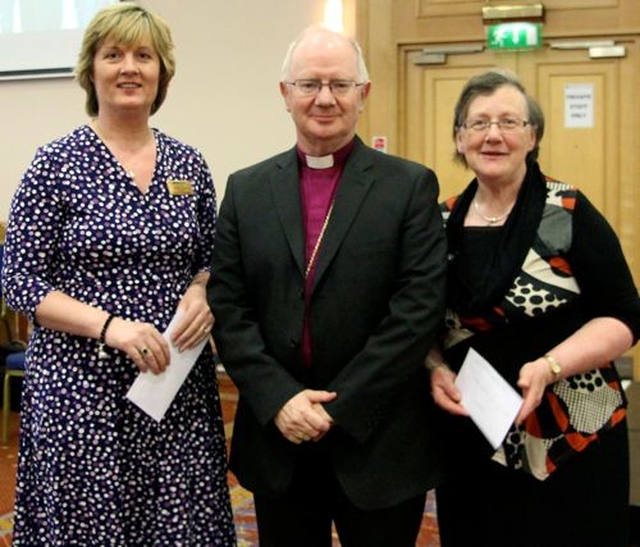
(242, 500)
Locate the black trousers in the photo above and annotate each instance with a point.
(314, 500)
(583, 504)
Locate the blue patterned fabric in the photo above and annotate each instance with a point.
(93, 469)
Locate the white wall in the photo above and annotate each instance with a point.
(224, 98)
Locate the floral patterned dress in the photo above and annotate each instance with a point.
(94, 470)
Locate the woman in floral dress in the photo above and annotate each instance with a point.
(110, 232)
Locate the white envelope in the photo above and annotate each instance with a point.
(154, 393)
(492, 403)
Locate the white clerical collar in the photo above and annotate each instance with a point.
(319, 162)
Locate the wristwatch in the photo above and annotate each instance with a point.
(555, 367)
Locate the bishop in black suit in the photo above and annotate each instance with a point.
(328, 289)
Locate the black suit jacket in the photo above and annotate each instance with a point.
(377, 301)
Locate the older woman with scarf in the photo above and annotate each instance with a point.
(539, 286)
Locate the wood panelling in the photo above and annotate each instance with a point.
(444, 20)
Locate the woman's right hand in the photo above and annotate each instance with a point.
(142, 342)
(444, 391)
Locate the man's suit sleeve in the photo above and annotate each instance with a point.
(236, 331)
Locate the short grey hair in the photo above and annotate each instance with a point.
(363, 73)
(485, 84)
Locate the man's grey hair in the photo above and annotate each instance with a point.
(363, 73)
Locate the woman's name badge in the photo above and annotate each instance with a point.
(180, 187)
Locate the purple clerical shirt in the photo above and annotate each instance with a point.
(318, 187)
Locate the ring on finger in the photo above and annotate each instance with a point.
(144, 351)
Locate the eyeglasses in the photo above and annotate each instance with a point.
(313, 87)
(505, 125)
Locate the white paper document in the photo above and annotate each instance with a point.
(491, 402)
(154, 393)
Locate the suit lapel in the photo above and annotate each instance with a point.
(355, 182)
(285, 189)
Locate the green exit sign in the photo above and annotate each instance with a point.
(512, 36)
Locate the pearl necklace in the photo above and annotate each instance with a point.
(490, 220)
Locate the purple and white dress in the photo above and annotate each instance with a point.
(93, 468)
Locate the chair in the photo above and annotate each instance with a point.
(13, 363)
(14, 368)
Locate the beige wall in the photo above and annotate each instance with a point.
(224, 98)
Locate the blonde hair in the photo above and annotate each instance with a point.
(126, 23)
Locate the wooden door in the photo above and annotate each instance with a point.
(429, 94)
